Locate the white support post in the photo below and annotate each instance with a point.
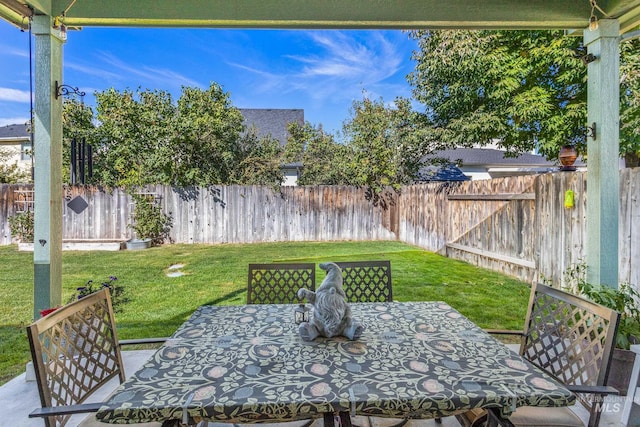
(47, 253)
(603, 170)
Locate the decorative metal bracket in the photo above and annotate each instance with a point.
(582, 54)
(591, 131)
(64, 90)
(588, 58)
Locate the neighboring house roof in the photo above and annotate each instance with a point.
(448, 172)
(492, 157)
(272, 121)
(14, 132)
(483, 163)
(267, 121)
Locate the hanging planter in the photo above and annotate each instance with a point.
(567, 156)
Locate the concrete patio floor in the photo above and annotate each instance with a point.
(19, 397)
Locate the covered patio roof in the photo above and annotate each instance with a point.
(51, 18)
(497, 14)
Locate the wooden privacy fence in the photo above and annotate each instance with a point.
(229, 214)
(516, 225)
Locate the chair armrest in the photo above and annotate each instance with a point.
(595, 389)
(142, 341)
(81, 408)
(503, 332)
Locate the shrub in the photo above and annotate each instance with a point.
(149, 222)
(625, 300)
(21, 226)
(115, 289)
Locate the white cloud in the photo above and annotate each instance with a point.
(92, 71)
(11, 50)
(13, 121)
(161, 76)
(14, 95)
(342, 66)
(369, 60)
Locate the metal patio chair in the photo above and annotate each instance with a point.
(367, 281)
(278, 283)
(75, 351)
(572, 339)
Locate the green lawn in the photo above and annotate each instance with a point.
(217, 274)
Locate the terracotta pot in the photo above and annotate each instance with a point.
(568, 155)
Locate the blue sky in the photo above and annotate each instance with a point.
(320, 71)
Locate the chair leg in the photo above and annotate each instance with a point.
(494, 420)
(329, 420)
(345, 419)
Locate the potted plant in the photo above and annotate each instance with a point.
(150, 224)
(115, 289)
(625, 300)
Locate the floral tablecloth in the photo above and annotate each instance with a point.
(248, 364)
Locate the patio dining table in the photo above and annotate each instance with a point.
(248, 364)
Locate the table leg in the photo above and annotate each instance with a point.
(328, 420)
(345, 419)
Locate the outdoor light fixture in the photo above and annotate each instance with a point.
(593, 19)
(59, 25)
(301, 313)
(64, 90)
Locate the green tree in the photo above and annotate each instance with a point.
(77, 123)
(144, 138)
(386, 143)
(325, 161)
(134, 138)
(11, 173)
(630, 101)
(207, 132)
(525, 89)
(260, 161)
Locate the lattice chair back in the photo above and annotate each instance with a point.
(75, 352)
(278, 283)
(367, 281)
(571, 338)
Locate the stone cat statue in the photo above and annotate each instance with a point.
(331, 314)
